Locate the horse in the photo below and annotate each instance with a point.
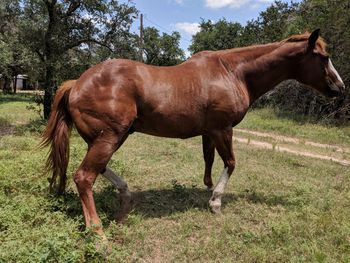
(204, 96)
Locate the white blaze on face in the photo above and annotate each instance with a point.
(334, 71)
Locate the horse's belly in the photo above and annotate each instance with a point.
(174, 126)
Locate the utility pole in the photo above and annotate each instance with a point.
(141, 37)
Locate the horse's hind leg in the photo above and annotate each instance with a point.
(209, 154)
(125, 195)
(95, 161)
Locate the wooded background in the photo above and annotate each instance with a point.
(55, 40)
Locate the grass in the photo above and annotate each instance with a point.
(301, 146)
(277, 207)
(284, 123)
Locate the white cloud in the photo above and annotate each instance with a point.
(189, 28)
(217, 4)
(179, 2)
(187, 53)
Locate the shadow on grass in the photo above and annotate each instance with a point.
(36, 126)
(157, 203)
(153, 203)
(6, 98)
(270, 199)
(6, 128)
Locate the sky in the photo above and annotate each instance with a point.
(184, 15)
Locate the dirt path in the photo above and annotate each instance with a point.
(294, 140)
(288, 145)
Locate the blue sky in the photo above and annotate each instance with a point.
(183, 15)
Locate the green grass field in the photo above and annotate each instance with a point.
(277, 207)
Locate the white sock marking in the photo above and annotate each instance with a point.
(215, 200)
(116, 180)
(220, 187)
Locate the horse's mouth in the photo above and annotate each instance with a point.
(335, 89)
(335, 92)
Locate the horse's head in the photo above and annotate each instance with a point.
(316, 69)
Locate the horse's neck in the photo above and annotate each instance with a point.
(262, 68)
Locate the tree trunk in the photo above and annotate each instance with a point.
(49, 69)
(49, 91)
(47, 103)
(15, 85)
(6, 88)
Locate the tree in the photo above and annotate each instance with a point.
(15, 57)
(276, 21)
(216, 36)
(162, 50)
(56, 29)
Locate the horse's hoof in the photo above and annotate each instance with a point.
(215, 206)
(126, 206)
(103, 246)
(215, 209)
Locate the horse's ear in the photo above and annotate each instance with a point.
(313, 38)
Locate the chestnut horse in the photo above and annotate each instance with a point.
(206, 95)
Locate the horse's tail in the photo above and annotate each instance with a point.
(57, 135)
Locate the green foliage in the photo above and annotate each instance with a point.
(5, 57)
(162, 50)
(276, 22)
(273, 24)
(15, 58)
(216, 36)
(66, 26)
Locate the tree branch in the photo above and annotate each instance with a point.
(72, 8)
(87, 40)
(41, 56)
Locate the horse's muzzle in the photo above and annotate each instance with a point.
(336, 91)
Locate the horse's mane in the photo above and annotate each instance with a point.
(304, 37)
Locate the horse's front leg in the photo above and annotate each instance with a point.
(223, 144)
(208, 154)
